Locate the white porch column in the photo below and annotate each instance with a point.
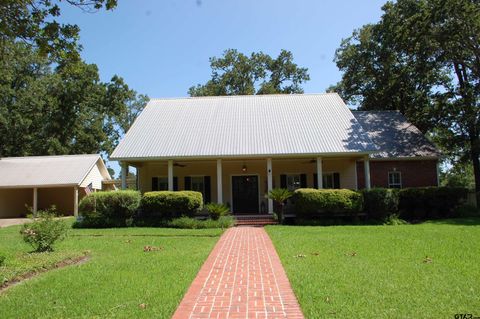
(35, 200)
(75, 201)
(124, 175)
(219, 182)
(269, 184)
(366, 168)
(319, 173)
(170, 175)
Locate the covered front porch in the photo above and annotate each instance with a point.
(243, 183)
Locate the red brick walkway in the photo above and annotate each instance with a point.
(242, 278)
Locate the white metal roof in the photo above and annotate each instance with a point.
(38, 171)
(240, 126)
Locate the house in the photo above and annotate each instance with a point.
(235, 149)
(406, 158)
(41, 181)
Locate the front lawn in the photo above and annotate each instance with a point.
(119, 280)
(431, 270)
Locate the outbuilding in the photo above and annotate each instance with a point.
(38, 182)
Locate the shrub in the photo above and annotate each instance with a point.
(394, 220)
(109, 209)
(44, 230)
(192, 223)
(280, 197)
(310, 203)
(215, 211)
(466, 210)
(168, 205)
(379, 203)
(430, 202)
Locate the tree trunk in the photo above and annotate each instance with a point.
(475, 153)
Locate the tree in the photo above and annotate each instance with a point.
(64, 108)
(34, 22)
(280, 196)
(422, 58)
(237, 74)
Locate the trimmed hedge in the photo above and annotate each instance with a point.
(380, 203)
(109, 209)
(166, 205)
(430, 202)
(311, 203)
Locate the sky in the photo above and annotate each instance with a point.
(162, 47)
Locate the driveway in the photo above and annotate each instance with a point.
(5, 222)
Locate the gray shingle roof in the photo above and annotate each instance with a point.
(244, 126)
(35, 171)
(394, 135)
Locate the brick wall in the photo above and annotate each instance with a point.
(415, 173)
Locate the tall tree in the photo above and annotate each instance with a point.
(35, 22)
(65, 109)
(422, 58)
(237, 74)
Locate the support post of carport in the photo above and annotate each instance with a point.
(75, 201)
(35, 200)
(319, 173)
(366, 168)
(219, 182)
(170, 175)
(269, 184)
(124, 175)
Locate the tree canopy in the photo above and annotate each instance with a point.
(238, 74)
(35, 22)
(422, 58)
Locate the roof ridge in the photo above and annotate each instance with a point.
(241, 96)
(47, 156)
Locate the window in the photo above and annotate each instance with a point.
(163, 183)
(293, 182)
(395, 179)
(198, 184)
(328, 180)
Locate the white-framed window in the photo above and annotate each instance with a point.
(395, 179)
(198, 184)
(162, 183)
(293, 182)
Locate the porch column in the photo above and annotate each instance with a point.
(75, 201)
(170, 175)
(35, 200)
(269, 184)
(319, 173)
(219, 182)
(366, 168)
(124, 175)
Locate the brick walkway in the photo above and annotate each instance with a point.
(242, 278)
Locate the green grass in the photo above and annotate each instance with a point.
(430, 270)
(118, 277)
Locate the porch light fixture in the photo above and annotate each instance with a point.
(244, 168)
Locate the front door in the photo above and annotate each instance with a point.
(245, 194)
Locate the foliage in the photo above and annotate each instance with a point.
(215, 211)
(59, 110)
(192, 223)
(2, 260)
(44, 230)
(430, 202)
(394, 220)
(109, 209)
(409, 269)
(310, 203)
(466, 210)
(459, 175)
(379, 203)
(167, 204)
(280, 197)
(237, 74)
(35, 22)
(422, 59)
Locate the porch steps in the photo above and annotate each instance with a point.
(254, 220)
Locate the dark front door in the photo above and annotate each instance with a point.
(245, 194)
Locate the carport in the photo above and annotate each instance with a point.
(38, 182)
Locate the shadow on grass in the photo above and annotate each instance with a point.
(466, 221)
